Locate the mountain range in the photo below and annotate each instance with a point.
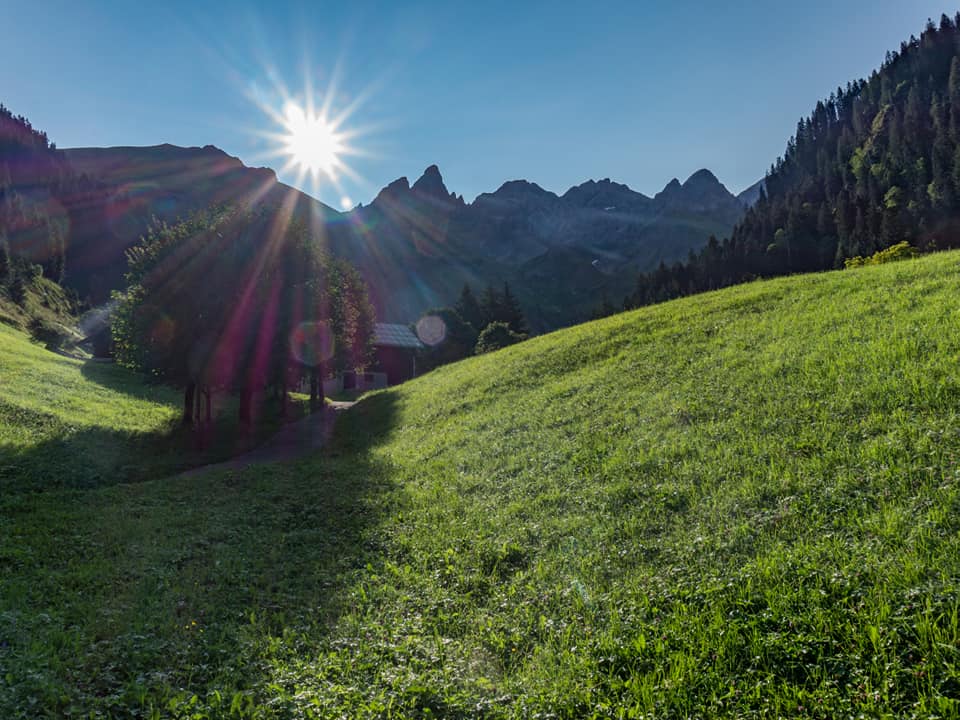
(417, 244)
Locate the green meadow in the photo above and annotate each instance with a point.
(68, 423)
(740, 504)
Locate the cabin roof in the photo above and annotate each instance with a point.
(394, 335)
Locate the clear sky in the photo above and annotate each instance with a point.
(552, 92)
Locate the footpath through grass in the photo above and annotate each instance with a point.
(741, 504)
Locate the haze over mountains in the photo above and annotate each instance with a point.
(417, 244)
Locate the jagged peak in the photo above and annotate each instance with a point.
(431, 183)
(513, 188)
(398, 187)
(701, 177)
(671, 188)
(603, 183)
(604, 193)
(401, 183)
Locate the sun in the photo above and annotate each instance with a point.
(313, 134)
(311, 141)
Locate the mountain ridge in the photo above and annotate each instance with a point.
(417, 243)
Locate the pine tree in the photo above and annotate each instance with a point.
(489, 307)
(953, 99)
(468, 307)
(6, 271)
(511, 313)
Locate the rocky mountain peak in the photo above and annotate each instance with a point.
(702, 190)
(701, 178)
(431, 184)
(605, 195)
(394, 191)
(520, 190)
(671, 190)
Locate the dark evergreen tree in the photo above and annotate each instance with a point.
(511, 313)
(5, 267)
(489, 306)
(458, 341)
(468, 307)
(605, 309)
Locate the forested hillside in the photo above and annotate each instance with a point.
(876, 163)
(41, 199)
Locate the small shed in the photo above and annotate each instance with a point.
(395, 348)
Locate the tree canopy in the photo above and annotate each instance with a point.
(239, 300)
(467, 321)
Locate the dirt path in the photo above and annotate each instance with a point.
(291, 442)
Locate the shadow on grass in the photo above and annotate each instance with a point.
(113, 377)
(145, 596)
(56, 456)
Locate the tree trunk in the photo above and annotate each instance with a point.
(284, 409)
(246, 406)
(188, 395)
(320, 385)
(316, 389)
(207, 392)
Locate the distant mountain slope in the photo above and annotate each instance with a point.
(416, 245)
(750, 196)
(166, 182)
(562, 253)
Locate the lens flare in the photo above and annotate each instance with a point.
(432, 330)
(312, 343)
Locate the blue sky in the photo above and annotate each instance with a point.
(552, 92)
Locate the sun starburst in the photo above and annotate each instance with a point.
(313, 141)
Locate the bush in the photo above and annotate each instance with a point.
(52, 335)
(497, 335)
(900, 251)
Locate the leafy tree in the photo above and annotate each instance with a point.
(227, 300)
(497, 335)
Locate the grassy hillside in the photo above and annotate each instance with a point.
(744, 503)
(65, 423)
(44, 307)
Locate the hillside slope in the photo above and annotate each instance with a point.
(744, 503)
(168, 183)
(65, 422)
(69, 424)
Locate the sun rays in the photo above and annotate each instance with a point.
(311, 141)
(312, 134)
